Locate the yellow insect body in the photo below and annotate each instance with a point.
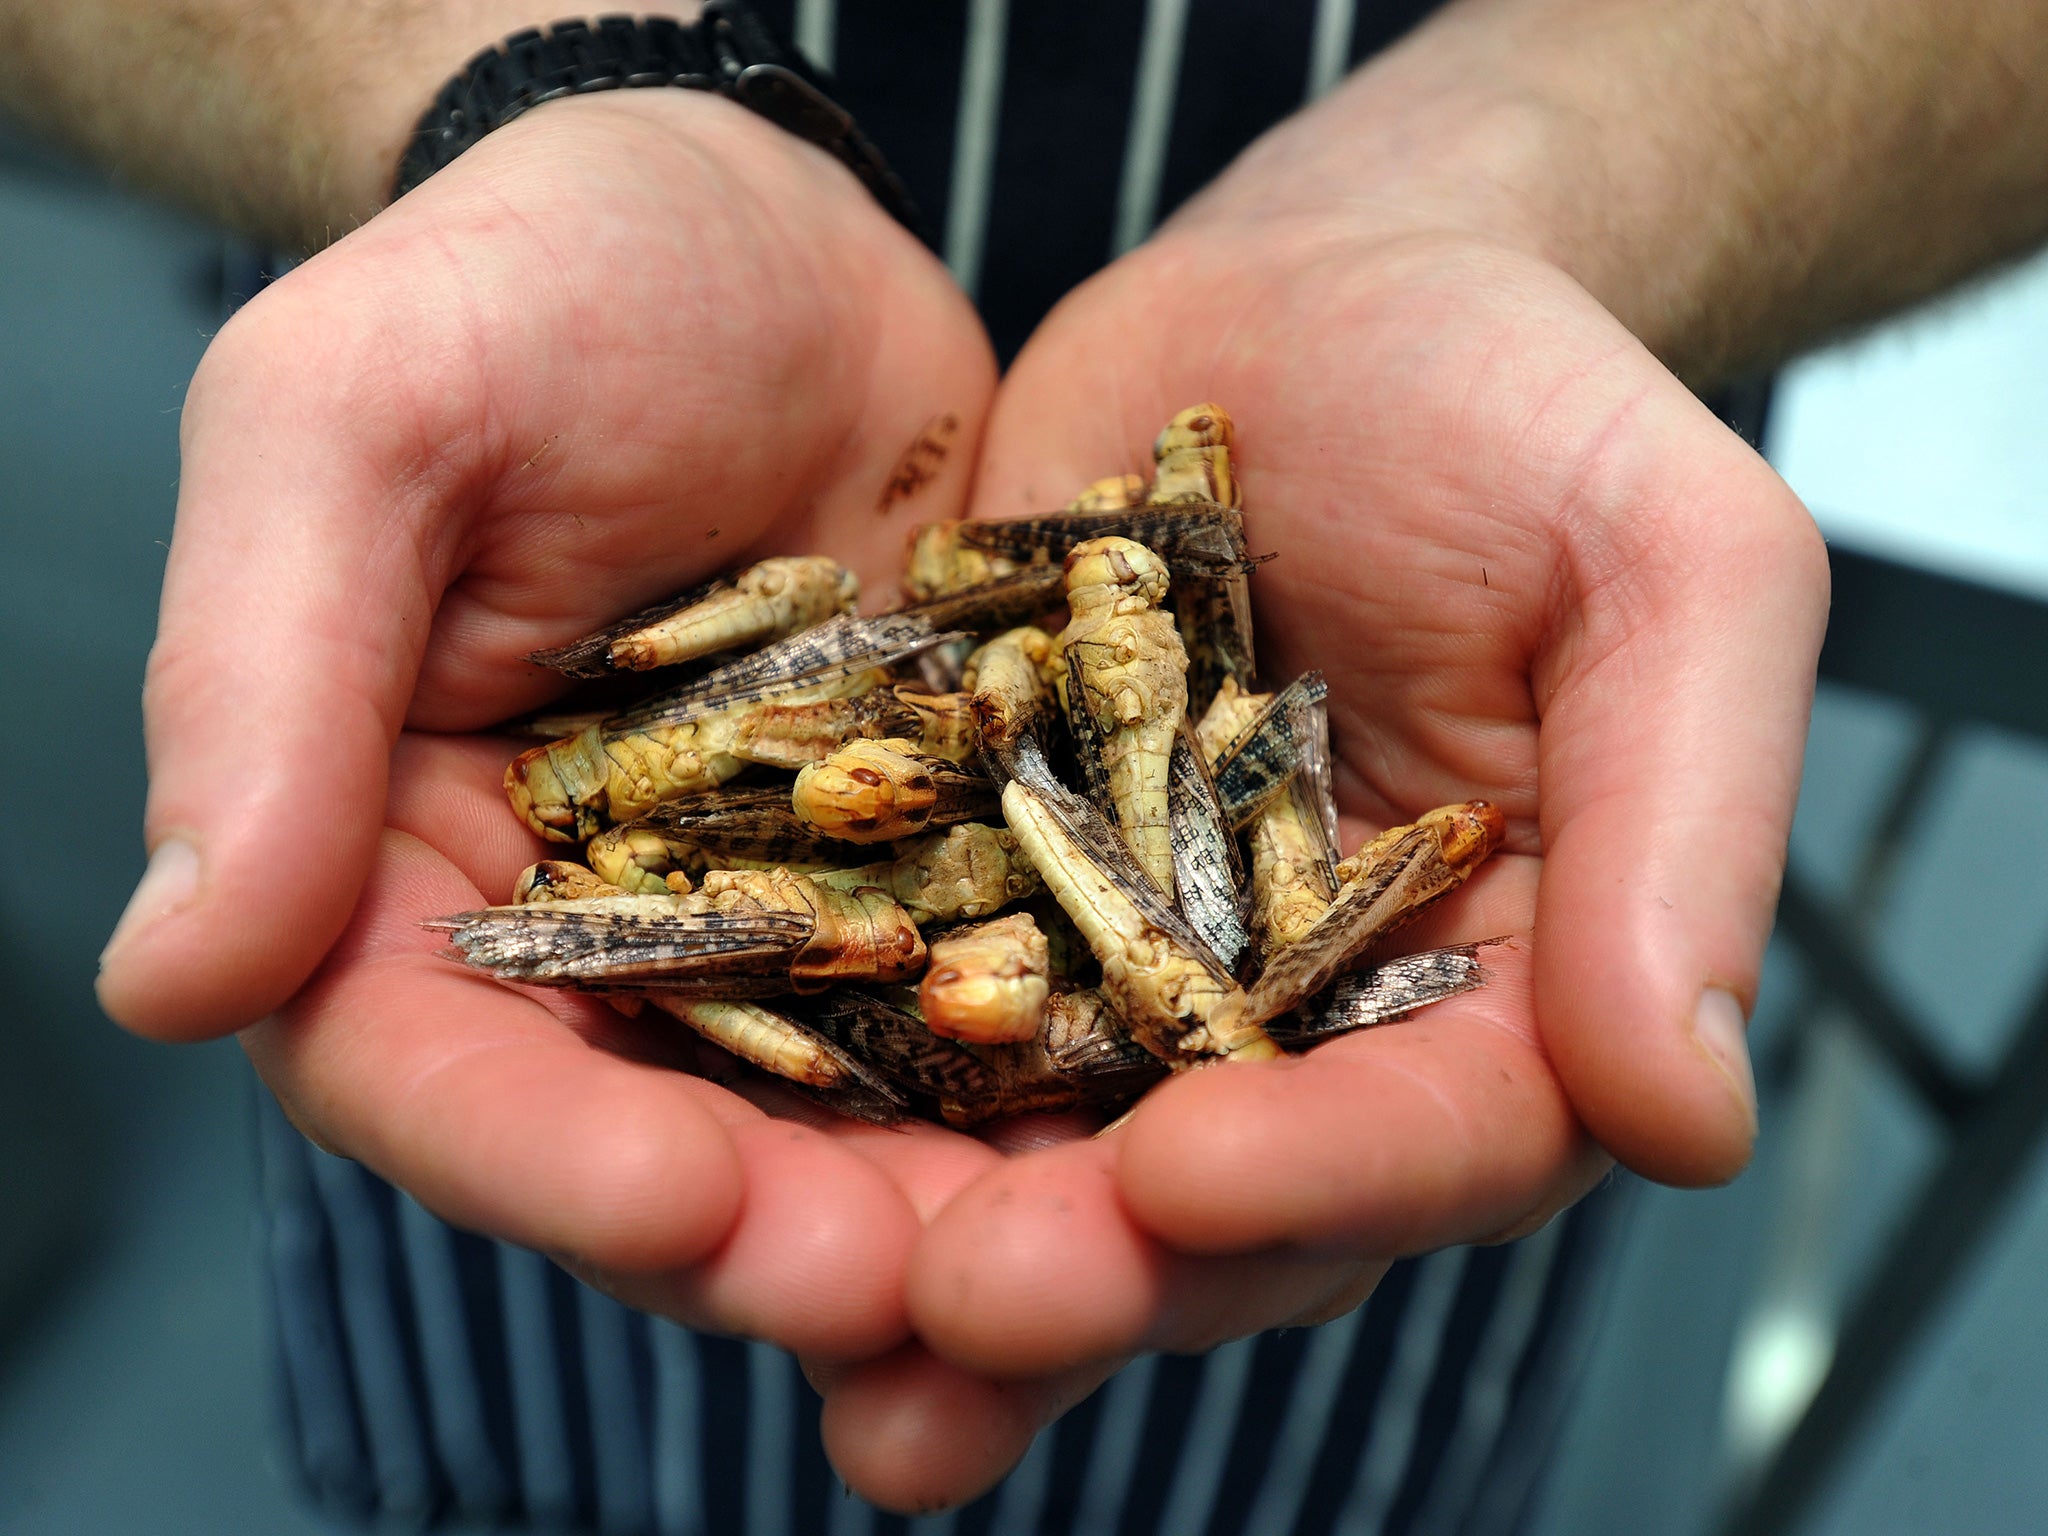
(1194, 459)
(571, 789)
(1388, 882)
(754, 1034)
(945, 723)
(1285, 905)
(765, 602)
(1465, 834)
(1161, 989)
(637, 858)
(556, 880)
(1112, 493)
(1126, 678)
(789, 735)
(966, 871)
(988, 983)
(941, 562)
(1008, 679)
(883, 791)
(858, 935)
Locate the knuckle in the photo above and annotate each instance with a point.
(332, 343)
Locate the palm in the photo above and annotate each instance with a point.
(1528, 563)
(1518, 550)
(594, 360)
(1414, 473)
(631, 363)
(622, 343)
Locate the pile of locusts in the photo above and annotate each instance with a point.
(1163, 837)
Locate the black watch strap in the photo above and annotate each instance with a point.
(731, 50)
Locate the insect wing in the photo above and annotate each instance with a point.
(896, 1042)
(872, 1098)
(1111, 1068)
(1002, 603)
(1194, 538)
(1207, 871)
(1384, 993)
(824, 653)
(860, 1091)
(591, 656)
(938, 669)
(1400, 884)
(559, 945)
(555, 726)
(1085, 709)
(1214, 615)
(756, 824)
(1268, 753)
(793, 735)
(1308, 713)
(1104, 845)
(965, 793)
(1085, 1038)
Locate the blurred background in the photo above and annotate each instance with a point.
(1848, 1340)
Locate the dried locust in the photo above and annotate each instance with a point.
(1122, 675)
(684, 742)
(763, 602)
(1193, 908)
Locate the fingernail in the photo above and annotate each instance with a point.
(167, 885)
(1719, 1027)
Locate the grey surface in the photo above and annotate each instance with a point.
(1956, 1446)
(134, 1389)
(134, 1395)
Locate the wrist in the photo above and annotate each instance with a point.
(361, 116)
(1733, 182)
(1389, 158)
(1479, 130)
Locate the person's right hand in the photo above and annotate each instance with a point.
(624, 342)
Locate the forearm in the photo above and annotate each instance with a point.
(283, 118)
(1733, 178)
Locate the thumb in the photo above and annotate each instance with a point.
(295, 610)
(1674, 712)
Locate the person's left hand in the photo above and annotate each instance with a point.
(1536, 571)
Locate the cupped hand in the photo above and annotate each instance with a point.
(1535, 570)
(626, 341)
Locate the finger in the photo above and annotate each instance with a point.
(1446, 1127)
(814, 1262)
(1044, 442)
(295, 607)
(1674, 712)
(911, 1433)
(400, 412)
(929, 1164)
(491, 1108)
(449, 792)
(773, 367)
(1037, 1269)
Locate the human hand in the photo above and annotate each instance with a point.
(1535, 571)
(625, 341)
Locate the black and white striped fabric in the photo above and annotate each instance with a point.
(1045, 138)
(433, 1376)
